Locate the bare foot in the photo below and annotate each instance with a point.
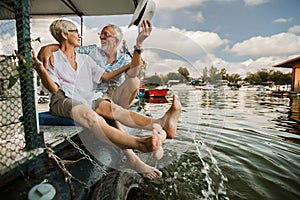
(154, 142)
(144, 169)
(157, 155)
(158, 136)
(151, 173)
(170, 119)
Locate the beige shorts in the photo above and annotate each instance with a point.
(60, 105)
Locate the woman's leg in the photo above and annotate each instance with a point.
(89, 119)
(137, 164)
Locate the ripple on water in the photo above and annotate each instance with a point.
(249, 140)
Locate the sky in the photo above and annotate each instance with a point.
(239, 35)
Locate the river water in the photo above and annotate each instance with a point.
(230, 145)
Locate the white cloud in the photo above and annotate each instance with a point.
(255, 2)
(208, 41)
(8, 44)
(283, 20)
(40, 28)
(90, 36)
(295, 29)
(179, 41)
(168, 49)
(279, 44)
(199, 17)
(159, 63)
(266, 63)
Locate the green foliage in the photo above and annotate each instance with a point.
(234, 78)
(184, 72)
(213, 75)
(182, 75)
(263, 76)
(12, 80)
(14, 77)
(279, 78)
(153, 80)
(25, 65)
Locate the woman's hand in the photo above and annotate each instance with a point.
(47, 82)
(37, 64)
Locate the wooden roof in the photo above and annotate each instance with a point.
(289, 63)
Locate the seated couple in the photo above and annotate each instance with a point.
(71, 83)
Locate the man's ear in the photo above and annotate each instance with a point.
(117, 42)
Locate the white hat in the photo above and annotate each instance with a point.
(144, 10)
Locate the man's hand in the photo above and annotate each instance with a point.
(46, 54)
(146, 28)
(135, 70)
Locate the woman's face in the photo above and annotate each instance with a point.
(74, 37)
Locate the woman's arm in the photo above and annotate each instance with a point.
(48, 83)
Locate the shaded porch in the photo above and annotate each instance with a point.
(294, 64)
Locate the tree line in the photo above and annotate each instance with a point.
(213, 75)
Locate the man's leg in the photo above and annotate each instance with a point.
(126, 92)
(135, 120)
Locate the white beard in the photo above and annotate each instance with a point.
(107, 46)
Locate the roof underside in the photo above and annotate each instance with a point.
(40, 8)
(289, 63)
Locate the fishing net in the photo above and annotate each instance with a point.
(18, 122)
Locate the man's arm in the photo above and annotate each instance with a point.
(135, 62)
(146, 28)
(46, 54)
(109, 75)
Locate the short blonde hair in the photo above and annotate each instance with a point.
(61, 25)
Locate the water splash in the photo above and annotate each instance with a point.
(211, 180)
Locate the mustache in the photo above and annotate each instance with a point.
(107, 43)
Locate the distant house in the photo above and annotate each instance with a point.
(295, 65)
(172, 82)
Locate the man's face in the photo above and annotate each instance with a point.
(108, 39)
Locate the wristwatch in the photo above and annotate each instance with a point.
(139, 51)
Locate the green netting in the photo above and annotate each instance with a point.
(18, 127)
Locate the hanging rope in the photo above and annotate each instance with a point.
(68, 176)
